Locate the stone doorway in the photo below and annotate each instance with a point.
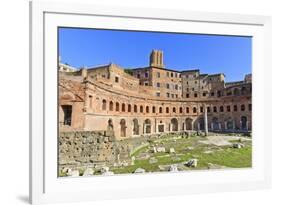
(123, 128)
(135, 127)
(67, 113)
(201, 124)
(243, 123)
(161, 128)
(147, 126)
(174, 123)
(216, 125)
(229, 125)
(188, 124)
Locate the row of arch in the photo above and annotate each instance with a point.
(147, 109)
(189, 124)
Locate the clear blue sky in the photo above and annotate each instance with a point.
(231, 55)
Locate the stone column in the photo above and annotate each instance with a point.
(206, 121)
(155, 128)
(225, 125)
(240, 125)
(219, 126)
(212, 126)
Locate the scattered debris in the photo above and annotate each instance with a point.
(88, 172)
(191, 163)
(238, 145)
(173, 168)
(172, 150)
(72, 173)
(139, 171)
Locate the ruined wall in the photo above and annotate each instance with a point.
(90, 148)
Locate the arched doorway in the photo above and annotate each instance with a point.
(188, 124)
(147, 126)
(123, 128)
(243, 123)
(229, 124)
(174, 123)
(135, 127)
(215, 122)
(201, 124)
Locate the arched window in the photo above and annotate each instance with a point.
(141, 109)
(129, 108)
(242, 107)
(147, 109)
(221, 108)
(187, 109)
(235, 108)
(228, 108)
(103, 104)
(117, 106)
(215, 109)
(123, 107)
(153, 109)
(180, 109)
(174, 110)
(135, 108)
(160, 110)
(111, 106)
(194, 110)
(167, 110)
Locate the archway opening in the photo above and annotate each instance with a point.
(244, 123)
(174, 123)
(123, 128)
(147, 126)
(215, 122)
(67, 113)
(135, 127)
(201, 124)
(188, 124)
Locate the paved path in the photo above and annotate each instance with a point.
(222, 140)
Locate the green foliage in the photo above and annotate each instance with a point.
(129, 71)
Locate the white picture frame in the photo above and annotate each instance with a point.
(46, 187)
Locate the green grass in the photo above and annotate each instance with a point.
(223, 156)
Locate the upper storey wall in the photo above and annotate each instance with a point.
(155, 81)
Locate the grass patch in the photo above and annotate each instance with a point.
(188, 148)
